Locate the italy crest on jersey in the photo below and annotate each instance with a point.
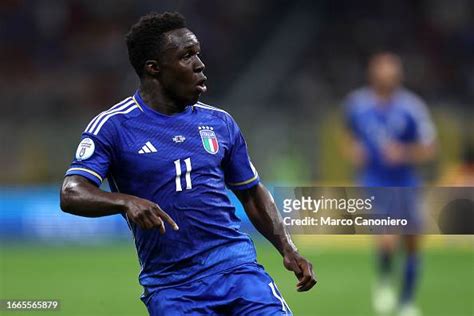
(209, 139)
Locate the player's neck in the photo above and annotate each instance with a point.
(154, 96)
(384, 95)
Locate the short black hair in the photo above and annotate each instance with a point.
(144, 40)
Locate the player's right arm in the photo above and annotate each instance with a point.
(352, 149)
(351, 146)
(80, 197)
(81, 193)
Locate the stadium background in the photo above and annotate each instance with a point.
(281, 68)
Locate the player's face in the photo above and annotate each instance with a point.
(181, 69)
(385, 72)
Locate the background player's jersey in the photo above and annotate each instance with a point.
(183, 163)
(403, 119)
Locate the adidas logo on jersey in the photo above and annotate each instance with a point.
(147, 148)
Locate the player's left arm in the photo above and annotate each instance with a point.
(263, 213)
(424, 145)
(413, 153)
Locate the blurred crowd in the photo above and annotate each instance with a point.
(63, 61)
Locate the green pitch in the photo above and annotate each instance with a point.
(102, 280)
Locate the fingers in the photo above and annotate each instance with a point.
(167, 218)
(307, 286)
(306, 283)
(157, 222)
(149, 215)
(308, 280)
(303, 270)
(147, 219)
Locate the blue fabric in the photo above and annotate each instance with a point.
(401, 203)
(243, 291)
(166, 159)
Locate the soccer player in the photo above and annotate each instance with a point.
(390, 132)
(168, 159)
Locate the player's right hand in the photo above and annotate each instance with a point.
(147, 214)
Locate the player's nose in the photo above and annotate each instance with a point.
(199, 66)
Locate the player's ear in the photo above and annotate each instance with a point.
(152, 67)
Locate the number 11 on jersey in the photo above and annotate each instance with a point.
(177, 165)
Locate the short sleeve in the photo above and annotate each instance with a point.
(93, 156)
(425, 131)
(349, 116)
(239, 172)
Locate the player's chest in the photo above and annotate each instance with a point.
(391, 124)
(148, 147)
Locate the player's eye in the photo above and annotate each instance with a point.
(187, 56)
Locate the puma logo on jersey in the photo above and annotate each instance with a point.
(147, 148)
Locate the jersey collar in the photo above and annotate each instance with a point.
(147, 109)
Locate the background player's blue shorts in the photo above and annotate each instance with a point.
(244, 290)
(401, 203)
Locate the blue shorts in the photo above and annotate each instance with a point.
(244, 290)
(399, 203)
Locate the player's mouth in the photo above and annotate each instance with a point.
(201, 86)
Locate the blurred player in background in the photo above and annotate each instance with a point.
(389, 133)
(168, 159)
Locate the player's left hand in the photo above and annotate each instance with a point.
(302, 268)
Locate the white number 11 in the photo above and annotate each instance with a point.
(177, 165)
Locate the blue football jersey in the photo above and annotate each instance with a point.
(404, 119)
(182, 162)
